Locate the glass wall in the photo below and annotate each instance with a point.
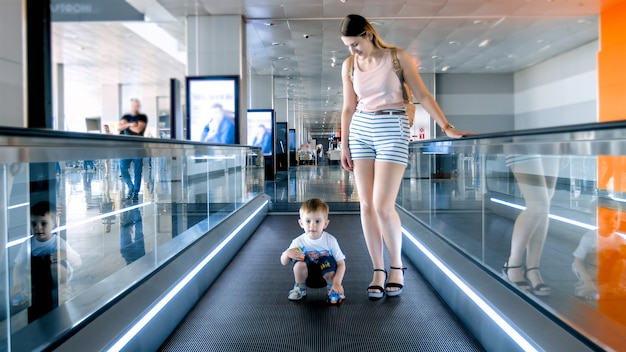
(79, 209)
(544, 212)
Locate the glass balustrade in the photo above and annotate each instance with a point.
(70, 219)
(549, 205)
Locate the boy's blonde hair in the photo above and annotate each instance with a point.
(314, 205)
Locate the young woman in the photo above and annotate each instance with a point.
(376, 146)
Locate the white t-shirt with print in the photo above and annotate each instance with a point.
(39, 248)
(326, 245)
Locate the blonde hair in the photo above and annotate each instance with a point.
(376, 40)
(314, 205)
(359, 26)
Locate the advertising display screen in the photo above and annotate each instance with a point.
(213, 109)
(260, 130)
(292, 140)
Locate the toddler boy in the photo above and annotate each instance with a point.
(318, 260)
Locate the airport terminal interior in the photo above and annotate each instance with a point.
(170, 238)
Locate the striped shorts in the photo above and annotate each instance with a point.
(380, 137)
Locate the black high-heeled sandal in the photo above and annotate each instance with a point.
(399, 287)
(381, 290)
(521, 285)
(540, 289)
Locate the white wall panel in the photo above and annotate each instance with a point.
(560, 91)
(11, 66)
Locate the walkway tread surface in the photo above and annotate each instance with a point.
(247, 309)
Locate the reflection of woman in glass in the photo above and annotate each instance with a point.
(220, 128)
(536, 178)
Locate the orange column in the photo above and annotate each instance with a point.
(611, 169)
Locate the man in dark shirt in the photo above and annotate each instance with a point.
(133, 124)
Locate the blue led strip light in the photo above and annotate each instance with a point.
(524, 344)
(161, 303)
(551, 216)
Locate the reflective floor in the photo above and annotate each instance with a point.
(331, 183)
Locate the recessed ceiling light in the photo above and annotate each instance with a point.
(454, 42)
(445, 68)
(376, 23)
(490, 67)
(422, 68)
(480, 21)
(282, 58)
(513, 56)
(484, 43)
(286, 69)
(269, 24)
(583, 21)
(278, 44)
(436, 57)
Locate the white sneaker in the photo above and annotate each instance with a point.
(297, 293)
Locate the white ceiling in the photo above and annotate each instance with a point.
(521, 34)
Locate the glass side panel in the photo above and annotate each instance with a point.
(545, 213)
(68, 224)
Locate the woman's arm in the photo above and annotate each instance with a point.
(414, 80)
(349, 106)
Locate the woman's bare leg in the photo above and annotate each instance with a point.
(364, 178)
(387, 180)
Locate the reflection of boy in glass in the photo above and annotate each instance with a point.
(52, 261)
(601, 245)
(220, 129)
(263, 139)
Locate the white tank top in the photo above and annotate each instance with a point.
(378, 89)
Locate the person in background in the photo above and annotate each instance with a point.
(133, 124)
(220, 128)
(319, 150)
(376, 139)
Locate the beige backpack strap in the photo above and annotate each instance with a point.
(351, 67)
(398, 70)
(396, 64)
